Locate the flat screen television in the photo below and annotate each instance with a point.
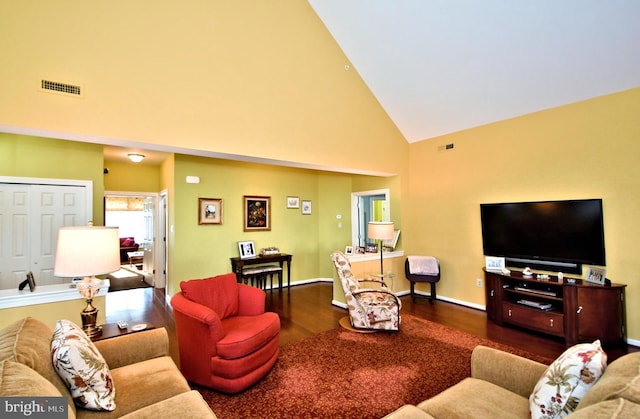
(549, 235)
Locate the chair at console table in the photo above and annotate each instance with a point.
(238, 264)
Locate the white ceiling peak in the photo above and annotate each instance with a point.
(441, 66)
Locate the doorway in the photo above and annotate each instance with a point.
(136, 216)
(367, 206)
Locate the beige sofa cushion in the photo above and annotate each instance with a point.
(142, 384)
(19, 380)
(610, 409)
(25, 341)
(189, 405)
(408, 411)
(473, 398)
(620, 379)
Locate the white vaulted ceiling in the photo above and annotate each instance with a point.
(440, 66)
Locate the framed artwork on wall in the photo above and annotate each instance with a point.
(306, 207)
(209, 211)
(257, 213)
(293, 202)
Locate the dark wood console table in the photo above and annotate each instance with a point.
(578, 312)
(237, 264)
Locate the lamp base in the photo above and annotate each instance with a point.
(89, 316)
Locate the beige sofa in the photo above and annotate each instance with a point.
(500, 385)
(147, 381)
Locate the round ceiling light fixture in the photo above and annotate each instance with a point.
(136, 158)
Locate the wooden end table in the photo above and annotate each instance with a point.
(111, 330)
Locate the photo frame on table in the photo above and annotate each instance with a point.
(348, 250)
(306, 207)
(492, 263)
(257, 213)
(247, 250)
(372, 248)
(30, 281)
(293, 202)
(209, 211)
(596, 275)
(359, 250)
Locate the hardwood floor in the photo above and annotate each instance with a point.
(305, 310)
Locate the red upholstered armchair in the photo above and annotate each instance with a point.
(226, 340)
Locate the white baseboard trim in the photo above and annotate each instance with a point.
(452, 300)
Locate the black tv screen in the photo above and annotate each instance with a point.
(552, 233)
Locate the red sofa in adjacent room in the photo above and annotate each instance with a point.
(127, 244)
(226, 339)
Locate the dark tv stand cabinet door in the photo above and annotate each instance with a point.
(580, 312)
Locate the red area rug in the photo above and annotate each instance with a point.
(343, 374)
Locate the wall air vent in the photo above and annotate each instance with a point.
(54, 86)
(445, 147)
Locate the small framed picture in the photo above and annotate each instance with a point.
(359, 250)
(306, 207)
(348, 250)
(494, 263)
(596, 275)
(293, 202)
(257, 213)
(247, 250)
(209, 211)
(372, 248)
(32, 281)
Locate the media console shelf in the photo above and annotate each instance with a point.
(580, 312)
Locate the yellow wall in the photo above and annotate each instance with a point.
(243, 77)
(131, 177)
(51, 312)
(588, 149)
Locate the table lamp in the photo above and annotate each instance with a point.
(86, 252)
(380, 230)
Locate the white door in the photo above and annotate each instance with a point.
(31, 216)
(14, 234)
(149, 239)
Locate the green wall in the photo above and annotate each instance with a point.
(26, 156)
(204, 250)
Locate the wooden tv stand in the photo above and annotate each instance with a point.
(580, 312)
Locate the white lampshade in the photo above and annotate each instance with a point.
(381, 230)
(87, 251)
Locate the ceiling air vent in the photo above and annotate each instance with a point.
(54, 86)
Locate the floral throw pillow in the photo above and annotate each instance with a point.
(567, 380)
(82, 367)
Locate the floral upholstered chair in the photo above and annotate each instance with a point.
(377, 309)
